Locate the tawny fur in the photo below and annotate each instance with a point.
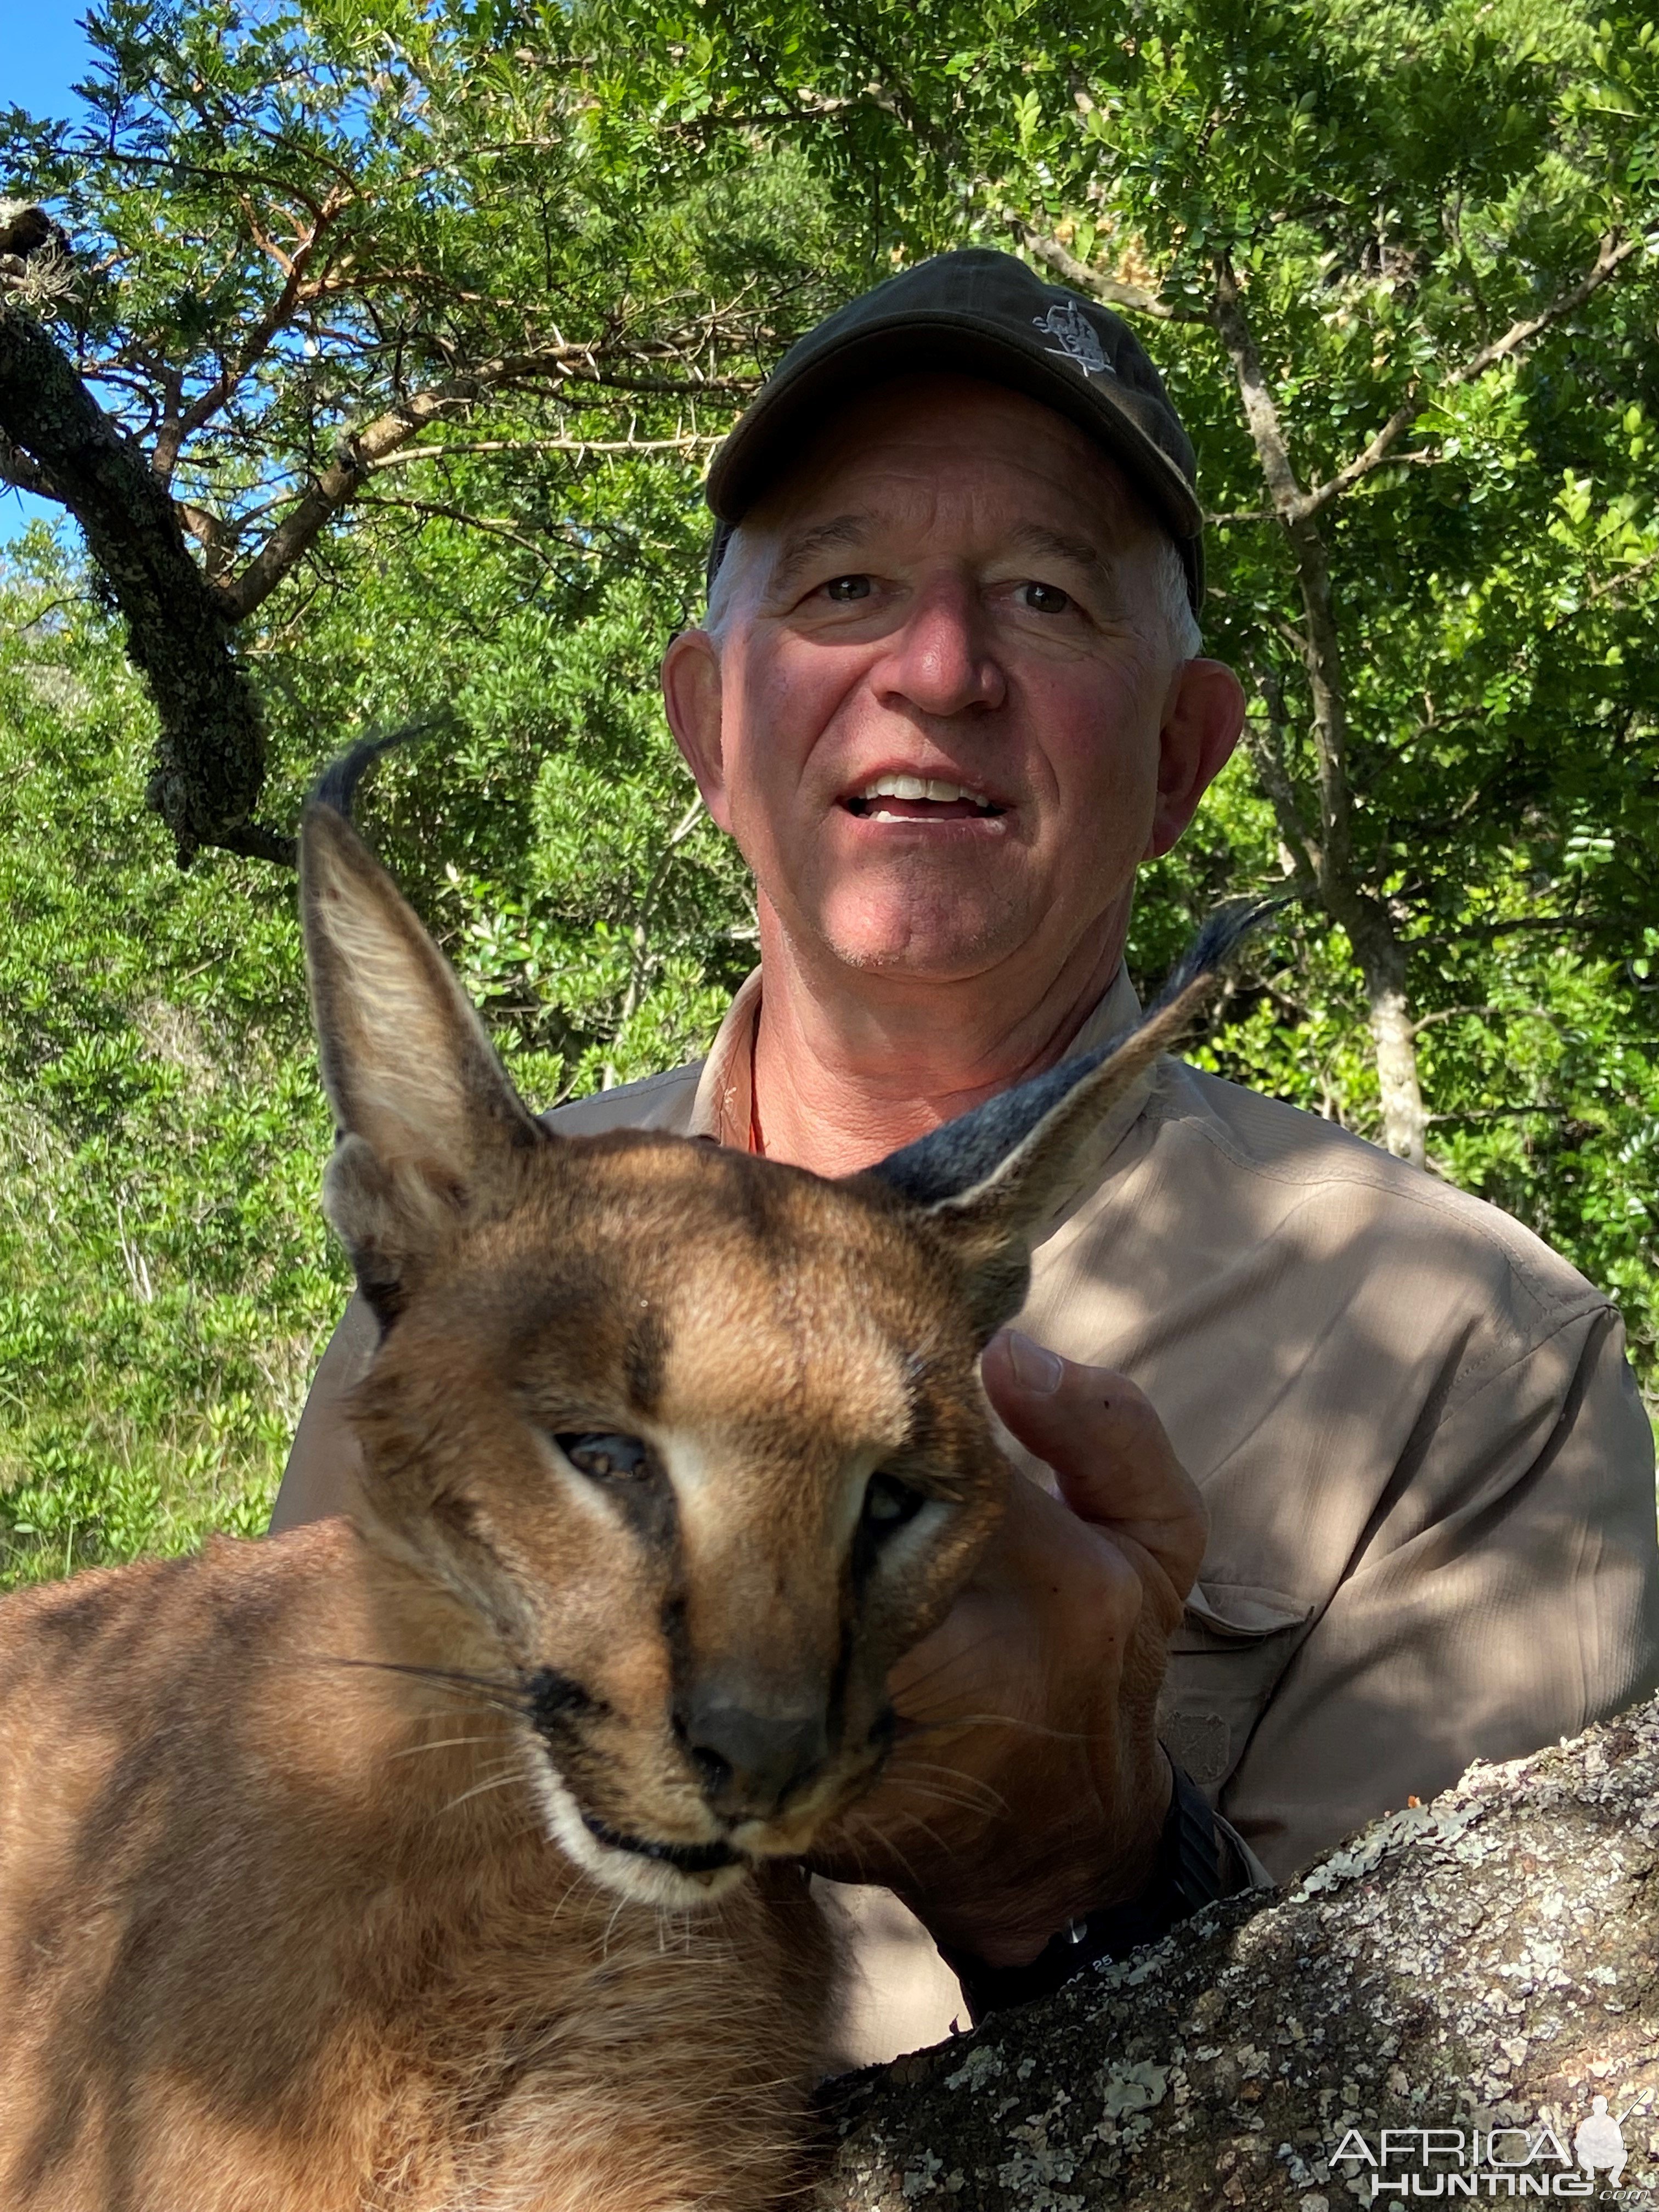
(271, 1941)
(372, 1868)
(281, 1928)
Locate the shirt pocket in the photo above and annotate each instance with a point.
(1235, 1641)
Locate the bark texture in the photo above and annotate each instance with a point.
(1324, 857)
(1488, 1960)
(1315, 816)
(209, 762)
(1394, 1036)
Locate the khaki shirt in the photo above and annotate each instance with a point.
(1429, 1475)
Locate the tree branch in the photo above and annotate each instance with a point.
(211, 533)
(368, 449)
(1500, 1113)
(688, 443)
(202, 409)
(1082, 278)
(1613, 253)
(1551, 925)
(1320, 645)
(487, 526)
(19, 469)
(1365, 918)
(1484, 1961)
(1633, 575)
(209, 760)
(1267, 751)
(1364, 463)
(1461, 1013)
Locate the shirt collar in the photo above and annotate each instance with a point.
(723, 1108)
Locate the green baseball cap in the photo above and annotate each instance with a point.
(982, 313)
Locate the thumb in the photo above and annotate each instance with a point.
(1100, 1434)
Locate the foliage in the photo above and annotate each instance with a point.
(297, 223)
(1544, 1073)
(163, 1273)
(168, 1279)
(429, 313)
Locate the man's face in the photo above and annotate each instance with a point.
(953, 589)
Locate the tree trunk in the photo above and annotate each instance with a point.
(1370, 928)
(210, 757)
(1381, 960)
(1323, 857)
(1489, 1962)
(1404, 1118)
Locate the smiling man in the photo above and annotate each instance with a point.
(944, 885)
(1339, 1478)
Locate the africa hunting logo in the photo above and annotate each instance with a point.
(1501, 2161)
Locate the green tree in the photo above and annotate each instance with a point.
(308, 264)
(168, 1281)
(379, 360)
(164, 1272)
(1398, 263)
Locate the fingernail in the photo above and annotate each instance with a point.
(1036, 1368)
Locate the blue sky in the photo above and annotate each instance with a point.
(43, 49)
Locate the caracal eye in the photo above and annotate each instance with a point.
(843, 590)
(888, 1502)
(1045, 598)
(606, 1457)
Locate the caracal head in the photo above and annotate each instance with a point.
(690, 1446)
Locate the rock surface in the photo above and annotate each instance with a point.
(1488, 1961)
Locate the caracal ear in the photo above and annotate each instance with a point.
(992, 1178)
(428, 1125)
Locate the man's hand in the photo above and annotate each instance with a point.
(1027, 1787)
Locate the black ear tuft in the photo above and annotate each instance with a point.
(336, 787)
(1223, 928)
(962, 1154)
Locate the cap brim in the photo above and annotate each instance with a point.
(777, 424)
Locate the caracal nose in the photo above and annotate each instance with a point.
(748, 1761)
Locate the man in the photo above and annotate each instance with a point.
(948, 697)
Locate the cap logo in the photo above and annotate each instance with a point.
(1079, 339)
